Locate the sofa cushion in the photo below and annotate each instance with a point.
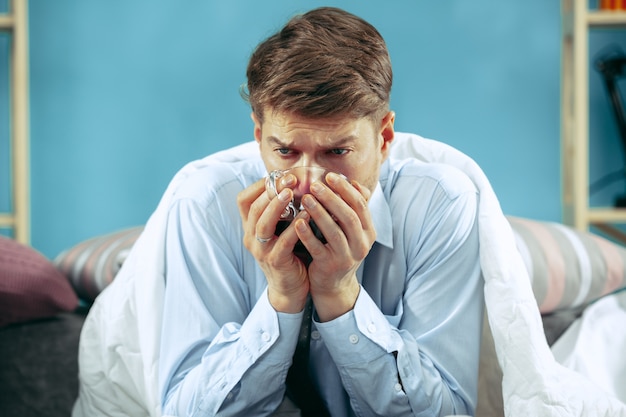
(91, 265)
(30, 286)
(567, 267)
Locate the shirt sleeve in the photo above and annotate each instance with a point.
(218, 345)
(423, 361)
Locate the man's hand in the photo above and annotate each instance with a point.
(342, 215)
(288, 284)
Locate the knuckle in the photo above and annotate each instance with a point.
(335, 235)
(360, 203)
(255, 208)
(280, 245)
(248, 243)
(353, 221)
(240, 198)
(363, 251)
(364, 248)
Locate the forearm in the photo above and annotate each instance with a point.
(243, 368)
(385, 371)
(204, 393)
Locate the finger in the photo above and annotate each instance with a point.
(354, 195)
(288, 181)
(325, 222)
(352, 192)
(248, 196)
(268, 220)
(350, 221)
(288, 239)
(336, 202)
(365, 192)
(314, 246)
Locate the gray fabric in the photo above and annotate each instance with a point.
(39, 367)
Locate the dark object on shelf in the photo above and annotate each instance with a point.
(612, 67)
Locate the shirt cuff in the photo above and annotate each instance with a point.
(362, 334)
(268, 332)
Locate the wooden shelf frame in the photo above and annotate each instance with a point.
(577, 21)
(15, 21)
(606, 19)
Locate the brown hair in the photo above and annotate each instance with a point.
(324, 63)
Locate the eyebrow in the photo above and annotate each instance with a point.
(336, 144)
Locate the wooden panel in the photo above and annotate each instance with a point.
(16, 21)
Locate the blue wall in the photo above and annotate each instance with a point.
(124, 92)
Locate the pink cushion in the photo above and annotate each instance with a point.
(30, 286)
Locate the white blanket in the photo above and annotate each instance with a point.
(119, 354)
(595, 345)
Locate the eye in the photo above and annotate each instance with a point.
(338, 151)
(283, 151)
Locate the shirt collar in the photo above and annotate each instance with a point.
(381, 216)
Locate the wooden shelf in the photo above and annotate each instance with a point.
(606, 215)
(577, 22)
(606, 19)
(6, 22)
(6, 220)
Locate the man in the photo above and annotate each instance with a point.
(395, 288)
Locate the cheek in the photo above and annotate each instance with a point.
(271, 161)
(365, 174)
(372, 179)
(369, 176)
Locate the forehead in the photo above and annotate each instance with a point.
(290, 128)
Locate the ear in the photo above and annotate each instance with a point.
(257, 127)
(387, 133)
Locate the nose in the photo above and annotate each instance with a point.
(309, 161)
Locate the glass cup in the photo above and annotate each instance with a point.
(305, 176)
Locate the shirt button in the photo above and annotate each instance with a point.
(315, 335)
(371, 328)
(353, 339)
(398, 387)
(265, 337)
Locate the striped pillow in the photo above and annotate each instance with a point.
(91, 265)
(568, 268)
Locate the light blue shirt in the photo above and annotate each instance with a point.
(410, 346)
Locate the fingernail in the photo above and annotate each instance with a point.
(301, 226)
(304, 215)
(288, 180)
(308, 202)
(317, 187)
(332, 178)
(283, 195)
